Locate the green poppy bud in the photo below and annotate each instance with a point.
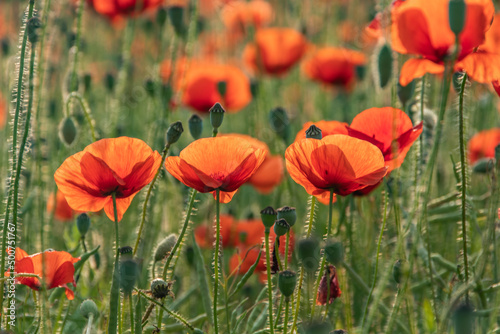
(287, 280)
(198, 331)
(222, 88)
(484, 165)
(150, 87)
(88, 307)
(190, 255)
(87, 82)
(68, 130)
(32, 29)
(176, 15)
(174, 132)
(281, 227)
(268, 216)
(160, 289)
(463, 319)
(5, 46)
(129, 271)
(360, 72)
(216, 115)
(334, 252)
(165, 247)
(400, 271)
(161, 16)
(289, 214)
(254, 88)
(456, 15)
(314, 132)
(195, 124)
(280, 122)
(109, 81)
(384, 65)
(83, 223)
(309, 253)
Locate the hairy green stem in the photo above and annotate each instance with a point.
(86, 110)
(114, 297)
(269, 282)
(216, 259)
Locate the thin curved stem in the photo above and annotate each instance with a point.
(216, 260)
(269, 283)
(86, 110)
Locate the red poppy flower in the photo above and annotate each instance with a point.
(334, 66)
(119, 165)
(327, 128)
(339, 162)
(384, 126)
(116, 8)
(205, 234)
(421, 27)
(223, 163)
(59, 270)
(275, 50)
(201, 84)
(63, 211)
(328, 287)
(482, 144)
(239, 15)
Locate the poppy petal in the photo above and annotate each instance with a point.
(417, 68)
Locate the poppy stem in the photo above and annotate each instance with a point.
(287, 244)
(146, 200)
(285, 321)
(131, 310)
(301, 279)
(269, 283)
(323, 260)
(464, 177)
(89, 323)
(365, 330)
(277, 253)
(114, 297)
(216, 259)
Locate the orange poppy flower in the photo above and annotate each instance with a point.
(327, 128)
(382, 127)
(223, 163)
(63, 211)
(59, 270)
(339, 162)
(201, 87)
(117, 8)
(238, 15)
(334, 66)
(119, 165)
(482, 144)
(421, 27)
(275, 50)
(205, 234)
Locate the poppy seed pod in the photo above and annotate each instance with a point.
(216, 115)
(126, 250)
(159, 288)
(463, 319)
(32, 29)
(195, 125)
(334, 252)
(287, 213)
(308, 253)
(314, 132)
(88, 307)
(456, 15)
(280, 122)
(83, 224)
(384, 65)
(68, 130)
(281, 227)
(129, 270)
(222, 88)
(174, 132)
(165, 247)
(268, 216)
(405, 93)
(287, 280)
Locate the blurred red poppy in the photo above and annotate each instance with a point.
(117, 8)
(206, 83)
(421, 27)
(223, 163)
(275, 50)
(334, 66)
(63, 211)
(58, 270)
(122, 166)
(385, 127)
(239, 15)
(482, 144)
(327, 128)
(205, 234)
(338, 162)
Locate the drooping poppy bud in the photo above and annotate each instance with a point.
(176, 15)
(87, 82)
(268, 216)
(287, 280)
(109, 81)
(329, 288)
(165, 247)
(68, 131)
(483, 165)
(400, 271)
(32, 29)
(195, 124)
(281, 227)
(314, 132)
(280, 122)
(88, 307)
(405, 93)
(287, 213)
(334, 252)
(384, 65)
(161, 16)
(308, 252)
(83, 224)
(174, 132)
